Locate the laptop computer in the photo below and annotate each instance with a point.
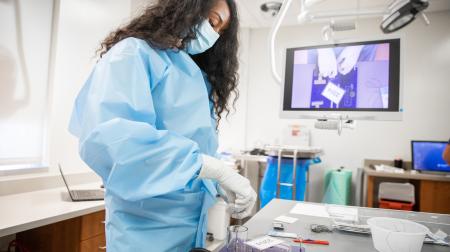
(427, 156)
(83, 195)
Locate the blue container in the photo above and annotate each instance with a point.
(268, 189)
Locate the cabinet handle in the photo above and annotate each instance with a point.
(103, 222)
(102, 248)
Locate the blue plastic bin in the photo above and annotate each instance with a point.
(268, 189)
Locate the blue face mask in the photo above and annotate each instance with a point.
(206, 37)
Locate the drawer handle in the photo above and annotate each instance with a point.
(103, 222)
(102, 248)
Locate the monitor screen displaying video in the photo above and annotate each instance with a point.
(361, 76)
(427, 156)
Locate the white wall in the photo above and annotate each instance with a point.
(137, 6)
(426, 97)
(232, 130)
(82, 26)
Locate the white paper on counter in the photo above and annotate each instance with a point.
(286, 219)
(343, 213)
(310, 210)
(264, 242)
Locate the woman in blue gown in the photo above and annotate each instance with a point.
(146, 121)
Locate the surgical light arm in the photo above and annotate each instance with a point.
(273, 34)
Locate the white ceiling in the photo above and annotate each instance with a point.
(252, 16)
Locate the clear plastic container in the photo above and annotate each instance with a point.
(399, 196)
(396, 235)
(403, 192)
(236, 238)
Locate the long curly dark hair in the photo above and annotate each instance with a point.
(170, 24)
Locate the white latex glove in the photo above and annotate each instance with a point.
(326, 60)
(232, 181)
(348, 58)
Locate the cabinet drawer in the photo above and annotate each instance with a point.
(95, 244)
(92, 225)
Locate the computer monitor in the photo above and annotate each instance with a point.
(358, 80)
(427, 156)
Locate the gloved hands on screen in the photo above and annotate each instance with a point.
(348, 58)
(326, 61)
(230, 180)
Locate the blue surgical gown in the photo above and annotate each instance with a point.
(143, 118)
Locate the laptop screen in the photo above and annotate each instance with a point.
(65, 182)
(427, 156)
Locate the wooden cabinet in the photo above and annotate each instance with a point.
(81, 234)
(432, 191)
(435, 197)
(92, 225)
(97, 243)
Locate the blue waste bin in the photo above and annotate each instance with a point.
(268, 189)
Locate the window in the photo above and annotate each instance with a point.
(25, 41)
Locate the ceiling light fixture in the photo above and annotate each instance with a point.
(403, 13)
(272, 8)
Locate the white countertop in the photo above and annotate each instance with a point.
(215, 245)
(23, 211)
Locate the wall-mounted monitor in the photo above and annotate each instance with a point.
(357, 80)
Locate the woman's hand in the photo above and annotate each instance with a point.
(232, 181)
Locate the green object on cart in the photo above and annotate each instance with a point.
(338, 187)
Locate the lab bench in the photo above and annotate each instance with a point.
(46, 220)
(339, 241)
